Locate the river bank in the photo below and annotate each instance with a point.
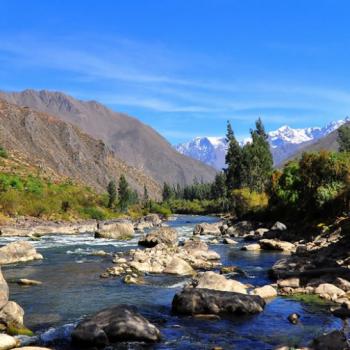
(72, 288)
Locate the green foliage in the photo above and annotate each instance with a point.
(247, 201)
(344, 138)
(3, 152)
(313, 182)
(124, 194)
(112, 194)
(161, 209)
(168, 193)
(94, 213)
(233, 160)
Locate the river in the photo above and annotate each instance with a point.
(72, 289)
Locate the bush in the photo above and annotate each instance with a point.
(160, 209)
(3, 153)
(246, 201)
(94, 213)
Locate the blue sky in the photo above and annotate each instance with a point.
(186, 66)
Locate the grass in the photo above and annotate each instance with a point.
(309, 298)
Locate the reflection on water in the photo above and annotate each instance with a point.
(72, 289)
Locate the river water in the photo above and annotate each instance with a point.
(72, 289)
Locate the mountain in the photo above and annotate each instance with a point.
(136, 143)
(284, 142)
(59, 148)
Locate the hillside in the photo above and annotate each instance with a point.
(58, 147)
(328, 142)
(134, 142)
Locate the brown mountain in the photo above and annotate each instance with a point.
(136, 143)
(54, 145)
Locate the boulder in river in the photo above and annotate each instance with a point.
(335, 340)
(165, 235)
(115, 230)
(192, 301)
(208, 229)
(7, 342)
(274, 244)
(4, 291)
(252, 247)
(279, 226)
(11, 315)
(19, 251)
(116, 324)
(214, 281)
(178, 266)
(265, 292)
(329, 291)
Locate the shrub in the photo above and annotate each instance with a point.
(3, 152)
(246, 201)
(94, 213)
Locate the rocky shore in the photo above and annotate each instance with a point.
(319, 267)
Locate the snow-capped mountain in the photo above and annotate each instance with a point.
(284, 142)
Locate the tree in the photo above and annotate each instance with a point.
(344, 138)
(168, 192)
(256, 160)
(112, 193)
(145, 195)
(233, 160)
(218, 188)
(124, 194)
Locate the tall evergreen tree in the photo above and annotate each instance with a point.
(344, 138)
(124, 194)
(167, 192)
(233, 160)
(257, 161)
(112, 193)
(218, 188)
(145, 195)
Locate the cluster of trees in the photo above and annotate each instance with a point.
(122, 197)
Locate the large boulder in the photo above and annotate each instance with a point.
(115, 230)
(274, 244)
(329, 291)
(20, 251)
(254, 247)
(154, 219)
(116, 324)
(214, 281)
(7, 342)
(335, 340)
(178, 266)
(4, 291)
(165, 235)
(207, 229)
(265, 292)
(11, 315)
(279, 226)
(192, 301)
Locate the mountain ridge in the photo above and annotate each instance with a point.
(284, 142)
(134, 142)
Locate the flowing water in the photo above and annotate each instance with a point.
(72, 289)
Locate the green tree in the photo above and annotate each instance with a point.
(344, 138)
(124, 194)
(256, 160)
(145, 195)
(233, 160)
(112, 193)
(218, 188)
(167, 193)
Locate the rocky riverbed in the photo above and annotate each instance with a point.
(242, 304)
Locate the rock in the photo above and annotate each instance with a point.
(130, 279)
(20, 251)
(27, 282)
(274, 244)
(141, 226)
(192, 301)
(329, 291)
(115, 230)
(342, 284)
(279, 226)
(265, 292)
(293, 318)
(32, 348)
(252, 247)
(261, 231)
(7, 342)
(293, 282)
(229, 241)
(214, 281)
(178, 266)
(154, 219)
(165, 235)
(4, 291)
(226, 270)
(207, 229)
(335, 340)
(12, 315)
(115, 324)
